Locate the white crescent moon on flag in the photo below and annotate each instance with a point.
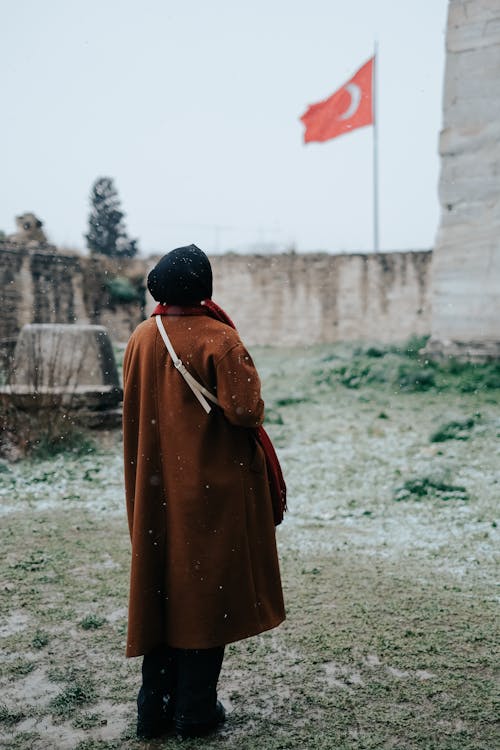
(355, 94)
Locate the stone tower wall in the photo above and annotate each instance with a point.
(466, 264)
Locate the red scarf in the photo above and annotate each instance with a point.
(274, 473)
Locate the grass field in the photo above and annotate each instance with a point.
(388, 561)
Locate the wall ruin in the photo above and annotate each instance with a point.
(313, 298)
(287, 299)
(44, 286)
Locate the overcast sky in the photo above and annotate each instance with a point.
(193, 108)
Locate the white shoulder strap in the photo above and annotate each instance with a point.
(198, 389)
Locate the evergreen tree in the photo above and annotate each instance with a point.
(107, 234)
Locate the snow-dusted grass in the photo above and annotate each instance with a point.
(388, 560)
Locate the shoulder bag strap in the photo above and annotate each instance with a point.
(198, 389)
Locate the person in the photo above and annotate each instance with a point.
(204, 564)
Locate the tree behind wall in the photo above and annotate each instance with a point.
(107, 234)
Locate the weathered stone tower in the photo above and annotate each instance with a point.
(466, 262)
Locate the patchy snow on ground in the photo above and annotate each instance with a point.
(389, 554)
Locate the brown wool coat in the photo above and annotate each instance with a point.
(204, 568)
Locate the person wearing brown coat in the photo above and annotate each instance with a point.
(204, 566)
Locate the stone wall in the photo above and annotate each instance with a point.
(466, 265)
(285, 299)
(45, 286)
(303, 299)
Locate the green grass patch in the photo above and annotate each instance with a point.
(121, 290)
(41, 435)
(273, 416)
(79, 692)
(404, 368)
(66, 441)
(412, 348)
(470, 377)
(415, 379)
(291, 400)
(91, 744)
(8, 717)
(375, 352)
(21, 668)
(459, 429)
(420, 488)
(36, 560)
(40, 640)
(92, 622)
(89, 721)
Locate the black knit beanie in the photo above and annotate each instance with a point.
(182, 277)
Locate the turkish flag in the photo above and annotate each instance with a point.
(348, 108)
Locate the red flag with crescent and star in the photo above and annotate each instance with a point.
(350, 107)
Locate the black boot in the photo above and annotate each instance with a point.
(154, 715)
(197, 710)
(156, 699)
(186, 730)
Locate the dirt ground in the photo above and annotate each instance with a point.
(388, 562)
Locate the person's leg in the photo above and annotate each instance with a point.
(156, 698)
(168, 677)
(197, 710)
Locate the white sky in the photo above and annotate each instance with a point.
(193, 107)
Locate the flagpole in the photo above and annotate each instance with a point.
(375, 154)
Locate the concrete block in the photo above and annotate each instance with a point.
(64, 366)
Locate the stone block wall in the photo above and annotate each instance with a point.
(287, 299)
(303, 299)
(45, 286)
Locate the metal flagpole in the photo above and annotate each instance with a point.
(375, 152)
